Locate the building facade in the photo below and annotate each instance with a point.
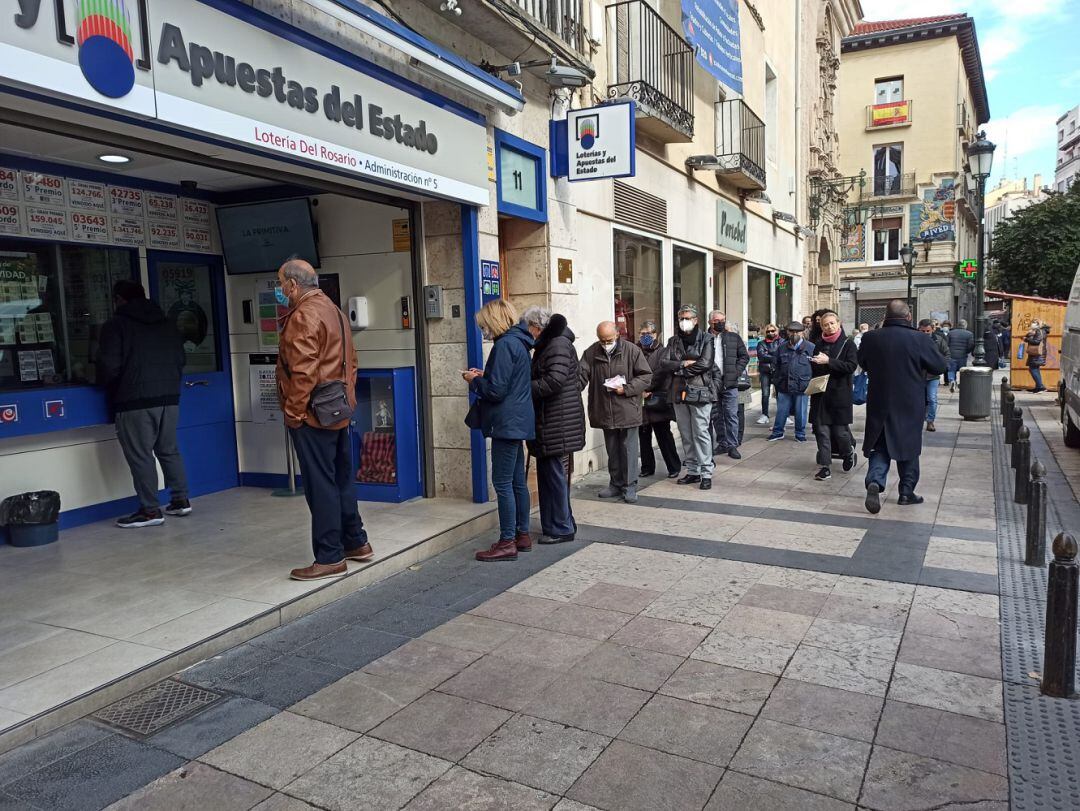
(1007, 198)
(914, 97)
(1068, 150)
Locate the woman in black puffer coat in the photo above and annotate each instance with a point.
(560, 420)
(658, 413)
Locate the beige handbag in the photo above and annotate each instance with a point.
(817, 385)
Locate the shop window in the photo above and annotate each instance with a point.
(886, 236)
(53, 301)
(637, 282)
(374, 416)
(689, 280)
(784, 301)
(759, 287)
(889, 91)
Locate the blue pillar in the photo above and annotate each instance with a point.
(474, 347)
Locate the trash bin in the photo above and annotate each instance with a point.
(31, 518)
(975, 385)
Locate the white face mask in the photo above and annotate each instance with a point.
(686, 325)
(608, 347)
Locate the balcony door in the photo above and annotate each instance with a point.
(888, 165)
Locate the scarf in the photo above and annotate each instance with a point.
(832, 339)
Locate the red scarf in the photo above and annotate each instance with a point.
(832, 339)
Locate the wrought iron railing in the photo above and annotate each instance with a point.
(564, 18)
(652, 64)
(740, 140)
(892, 185)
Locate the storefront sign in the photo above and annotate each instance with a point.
(10, 218)
(87, 227)
(197, 239)
(126, 202)
(161, 206)
(968, 269)
(9, 184)
(730, 226)
(86, 196)
(163, 236)
(601, 142)
(46, 222)
(400, 234)
(127, 231)
(42, 188)
(262, 384)
(712, 28)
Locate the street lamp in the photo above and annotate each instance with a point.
(908, 257)
(980, 159)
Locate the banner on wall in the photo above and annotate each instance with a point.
(933, 219)
(712, 28)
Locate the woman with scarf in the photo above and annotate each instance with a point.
(831, 411)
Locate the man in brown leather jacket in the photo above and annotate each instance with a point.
(314, 337)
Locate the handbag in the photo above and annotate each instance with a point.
(859, 391)
(474, 419)
(329, 402)
(817, 385)
(656, 400)
(743, 383)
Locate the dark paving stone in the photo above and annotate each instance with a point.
(794, 601)
(96, 776)
(740, 792)
(441, 725)
(976, 658)
(631, 667)
(284, 681)
(9, 803)
(689, 730)
(221, 722)
(299, 632)
(727, 688)
(611, 597)
(676, 638)
(959, 739)
(825, 709)
(351, 648)
(409, 619)
(899, 780)
(966, 533)
(632, 778)
(589, 704)
(964, 581)
(49, 748)
(864, 611)
(224, 667)
(471, 601)
(447, 594)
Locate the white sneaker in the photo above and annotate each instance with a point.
(790, 420)
(763, 420)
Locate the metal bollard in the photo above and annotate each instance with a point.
(1005, 388)
(1059, 651)
(1035, 553)
(1007, 409)
(1015, 422)
(1015, 458)
(1023, 465)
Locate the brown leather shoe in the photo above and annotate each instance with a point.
(930, 426)
(501, 550)
(319, 571)
(361, 553)
(523, 541)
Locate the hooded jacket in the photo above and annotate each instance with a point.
(507, 407)
(556, 391)
(140, 357)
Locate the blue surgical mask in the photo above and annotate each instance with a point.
(282, 299)
(646, 340)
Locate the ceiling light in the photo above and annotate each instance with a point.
(114, 158)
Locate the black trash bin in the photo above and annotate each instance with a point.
(31, 519)
(976, 383)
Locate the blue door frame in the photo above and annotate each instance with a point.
(474, 346)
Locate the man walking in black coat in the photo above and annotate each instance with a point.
(730, 359)
(897, 358)
(961, 344)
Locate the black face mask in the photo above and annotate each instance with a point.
(718, 326)
(793, 338)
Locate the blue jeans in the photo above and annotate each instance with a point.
(877, 470)
(931, 399)
(785, 404)
(724, 421)
(1036, 375)
(954, 367)
(766, 391)
(508, 479)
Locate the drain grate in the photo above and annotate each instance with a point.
(151, 710)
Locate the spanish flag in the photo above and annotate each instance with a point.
(881, 114)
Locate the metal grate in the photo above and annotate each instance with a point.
(151, 710)
(640, 209)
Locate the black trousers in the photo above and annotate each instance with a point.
(832, 440)
(668, 449)
(326, 467)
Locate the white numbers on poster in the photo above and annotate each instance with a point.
(161, 206)
(89, 227)
(46, 222)
(126, 202)
(84, 195)
(42, 188)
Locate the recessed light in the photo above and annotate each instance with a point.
(114, 158)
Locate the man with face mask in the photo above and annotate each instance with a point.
(617, 375)
(689, 360)
(792, 376)
(729, 362)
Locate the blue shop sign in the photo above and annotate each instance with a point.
(712, 28)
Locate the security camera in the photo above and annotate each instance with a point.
(564, 76)
(189, 185)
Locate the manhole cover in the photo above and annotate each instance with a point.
(158, 706)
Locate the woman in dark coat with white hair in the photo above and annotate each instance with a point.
(560, 420)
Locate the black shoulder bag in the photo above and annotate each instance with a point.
(330, 400)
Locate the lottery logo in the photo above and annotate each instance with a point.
(105, 53)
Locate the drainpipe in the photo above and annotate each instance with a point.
(799, 143)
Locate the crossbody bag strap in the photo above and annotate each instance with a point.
(345, 348)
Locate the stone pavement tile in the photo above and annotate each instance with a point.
(690, 730)
(816, 761)
(948, 625)
(352, 647)
(279, 750)
(632, 778)
(608, 596)
(376, 773)
(502, 683)
(899, 780)
(801, 579)
(221, 722)
(94, 776)
(49, 748)
(676, 638)
(747, 652)
(193, 786)
(632, 667)
(740, 792)
(853, 640)
(825, 709)
(571, 805)
(944, 690)
(467, 791)
(727, 688)
(583, 620)
(961, 562)
(877, 590)
(408, 619)
(283, 802)
(589, 704)
(217, 670)
(764, 623)
(441, 725)
(537, 753)
(359, 701)
(283, 682)
(856, 673)
(301, 631)
(547, 648)
(958, 655)
(959, 546)
(958, 739)
(864, 611)
(556, 584)
(705, 608)
(957, 602)
(517, 608)
(473, 633)
(425, 663)
(790, 600)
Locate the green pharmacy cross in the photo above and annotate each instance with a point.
(969, 269)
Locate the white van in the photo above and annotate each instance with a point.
(1069, 387)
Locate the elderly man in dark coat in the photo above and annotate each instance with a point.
(897, 359)
(560, 420)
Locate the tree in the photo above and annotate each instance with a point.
(1038, 248)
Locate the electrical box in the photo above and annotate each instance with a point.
(358, 312)
(433, 301)
(406, 312)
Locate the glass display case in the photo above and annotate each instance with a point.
(386, 447)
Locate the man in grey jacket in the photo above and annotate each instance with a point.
(617, 375)
(961, 345)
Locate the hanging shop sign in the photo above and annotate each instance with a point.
(968, 269)
(595, 143)
(712, 28)
(201, 66)
(730, 226)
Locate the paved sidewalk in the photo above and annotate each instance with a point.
(766, 644)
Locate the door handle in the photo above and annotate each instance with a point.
(193, 383)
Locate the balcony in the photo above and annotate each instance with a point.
(740, 145)
(652, 65)
(902, 185)
(884, 116)
(563, 18)
(964, 123)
